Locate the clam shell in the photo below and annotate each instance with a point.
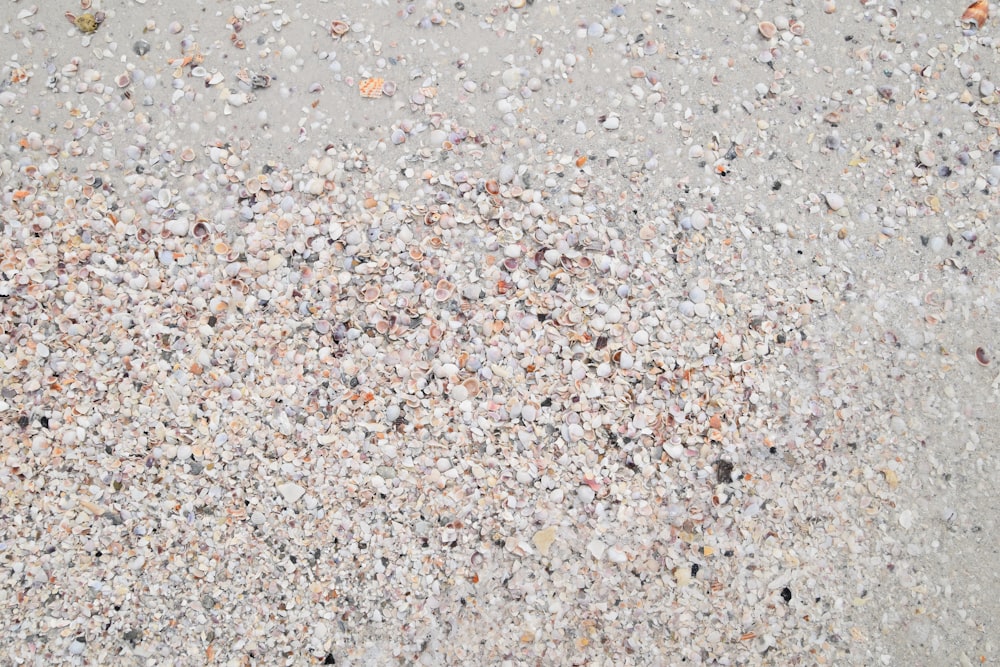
(339, 28)
(767, 29)
(443, 290)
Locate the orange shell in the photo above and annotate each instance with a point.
(371, 87)
(976, 13)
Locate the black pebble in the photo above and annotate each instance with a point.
(694, 569)
(329, 659)
(724, 471)
(786, 594)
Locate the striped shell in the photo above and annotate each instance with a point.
(371, 87)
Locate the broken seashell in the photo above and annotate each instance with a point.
(975, 16)
(371, 87)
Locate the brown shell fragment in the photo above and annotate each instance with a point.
(982, 356)
(975, 16)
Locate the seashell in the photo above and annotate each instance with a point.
(588, 294)
(443, 290)
(85, 23)
(221, 248)
(982, 357)
(339, 28)
(492, 187)
(371, 87)
(187, 154)
(371, 293)
(975, 16)
(217, 305)
(123, 80)
(473, 386)
(796, 28)
(637, 72)
(141, 47)
(200, 230)
(389, 88)
(767, 29)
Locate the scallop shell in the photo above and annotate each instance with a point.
(371, 87)
(975, 16)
